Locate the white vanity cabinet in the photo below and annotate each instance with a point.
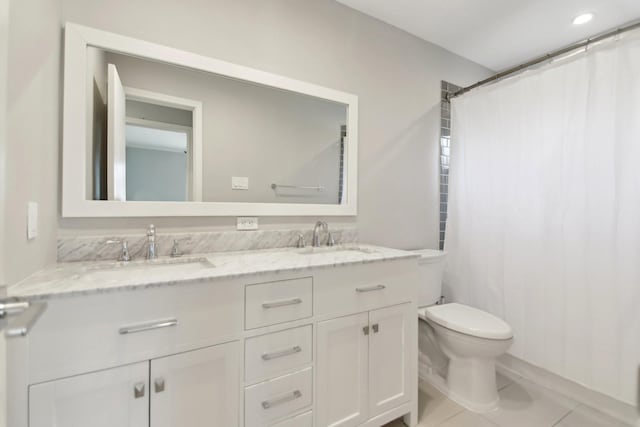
(364, 365)
(187, 389)
(327, 346)
(196, 387)
(113, 397)
(343, 363)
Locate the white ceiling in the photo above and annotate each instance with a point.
(499, 33)
(156, 139)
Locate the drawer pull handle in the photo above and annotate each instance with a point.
(275, 304)
(280, 400)
(371, 288)
(148, 326)
(159, 385)
(281, 353)
(138, 390)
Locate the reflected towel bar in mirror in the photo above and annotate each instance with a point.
(298, 187)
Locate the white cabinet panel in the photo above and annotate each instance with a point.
(354, 289)
(269, 401)
(78, 335)
(342, 363)
(303, 420)
(277, 353)
(278, 302)
(199, 388)
(100, 399)
(390, 357)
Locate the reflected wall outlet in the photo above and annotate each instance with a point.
(247, 223)
(239, 182)
(32, 220)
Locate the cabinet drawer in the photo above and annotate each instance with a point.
(274, 354)
(93, 332)
(275, 399)
(366, 287)
(302, 420)
(277, 302)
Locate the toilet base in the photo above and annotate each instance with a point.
(440, 384)
(471, 382)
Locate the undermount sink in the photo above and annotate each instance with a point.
(339, 249)
(162, 267)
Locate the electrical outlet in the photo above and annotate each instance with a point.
(239, 183)
(32, 220)
(247, 223)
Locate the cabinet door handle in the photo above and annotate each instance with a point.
(138, 390)
(282, 303)
(24, 320)
(375, 328)
(158, 385)
(282, 353)
(365, 330)
(283, 399)
(148, 326)
(371, 288)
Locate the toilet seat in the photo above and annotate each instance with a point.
(468, 320)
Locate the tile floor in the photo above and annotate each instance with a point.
(522, 404)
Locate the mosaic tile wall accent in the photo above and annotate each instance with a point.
(445, 146)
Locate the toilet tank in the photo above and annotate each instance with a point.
(430, 266)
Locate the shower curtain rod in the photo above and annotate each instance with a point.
(546, 57)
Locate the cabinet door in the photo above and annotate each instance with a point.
(390, 357)
(342, 361)
(198, 388)
(117, 397)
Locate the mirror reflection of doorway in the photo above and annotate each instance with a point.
(157, 161)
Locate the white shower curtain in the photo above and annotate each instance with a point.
(544, 213)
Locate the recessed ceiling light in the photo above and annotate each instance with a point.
(582, 19)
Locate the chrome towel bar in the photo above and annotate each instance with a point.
(317, 188)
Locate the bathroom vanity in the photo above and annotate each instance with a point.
(313, 336)
(282, 337)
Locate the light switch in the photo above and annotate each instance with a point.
(239, 183)
(247, 223)
(32, 220)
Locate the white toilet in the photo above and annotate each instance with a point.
(458, 343)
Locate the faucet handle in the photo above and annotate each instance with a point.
(301, 242)
(124, 255)
(330, 240)
(175, 250)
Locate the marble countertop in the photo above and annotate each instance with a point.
(82, 278)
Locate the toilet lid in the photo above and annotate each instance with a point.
(469, 320)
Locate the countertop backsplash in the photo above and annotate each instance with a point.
(94, 248)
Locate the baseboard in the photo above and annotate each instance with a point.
(510, 365)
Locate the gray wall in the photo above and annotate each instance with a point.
(4, 23)
(33, 133)
(265, 134)
(156, 175)
(396, 76)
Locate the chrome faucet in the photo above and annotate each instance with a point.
(151, 242)
(316, 234)
(124, 254)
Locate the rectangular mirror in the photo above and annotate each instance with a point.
(153, 131)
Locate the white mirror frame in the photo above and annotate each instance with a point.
(74, 153)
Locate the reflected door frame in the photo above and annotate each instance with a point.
(194, 134)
